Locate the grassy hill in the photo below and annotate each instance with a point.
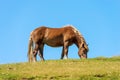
(73, 69)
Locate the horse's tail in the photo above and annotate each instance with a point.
(30, 50)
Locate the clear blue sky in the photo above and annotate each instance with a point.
(97, 20)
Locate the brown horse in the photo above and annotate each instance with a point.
(56, 37)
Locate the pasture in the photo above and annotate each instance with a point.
(72, 69)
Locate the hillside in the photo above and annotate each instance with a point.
(73, 69)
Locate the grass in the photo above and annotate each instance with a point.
(100, 68)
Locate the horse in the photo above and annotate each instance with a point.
(56, 37)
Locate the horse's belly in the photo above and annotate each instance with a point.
(54, 42)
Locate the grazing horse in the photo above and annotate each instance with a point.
(56, 37)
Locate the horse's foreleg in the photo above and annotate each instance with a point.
(62, 55)
(41, 51)
(65, 51)
(35, 52)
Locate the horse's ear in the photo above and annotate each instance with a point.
(82, 45)
(85, 46)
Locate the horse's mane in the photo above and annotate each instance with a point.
(74, 29)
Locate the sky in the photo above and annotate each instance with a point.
(97, 20)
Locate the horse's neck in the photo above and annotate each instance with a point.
(77, 41)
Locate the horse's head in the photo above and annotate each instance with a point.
(83, 50)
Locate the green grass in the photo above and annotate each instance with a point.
(100, 68)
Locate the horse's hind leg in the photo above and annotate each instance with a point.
(35, 52)
(41, 51)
